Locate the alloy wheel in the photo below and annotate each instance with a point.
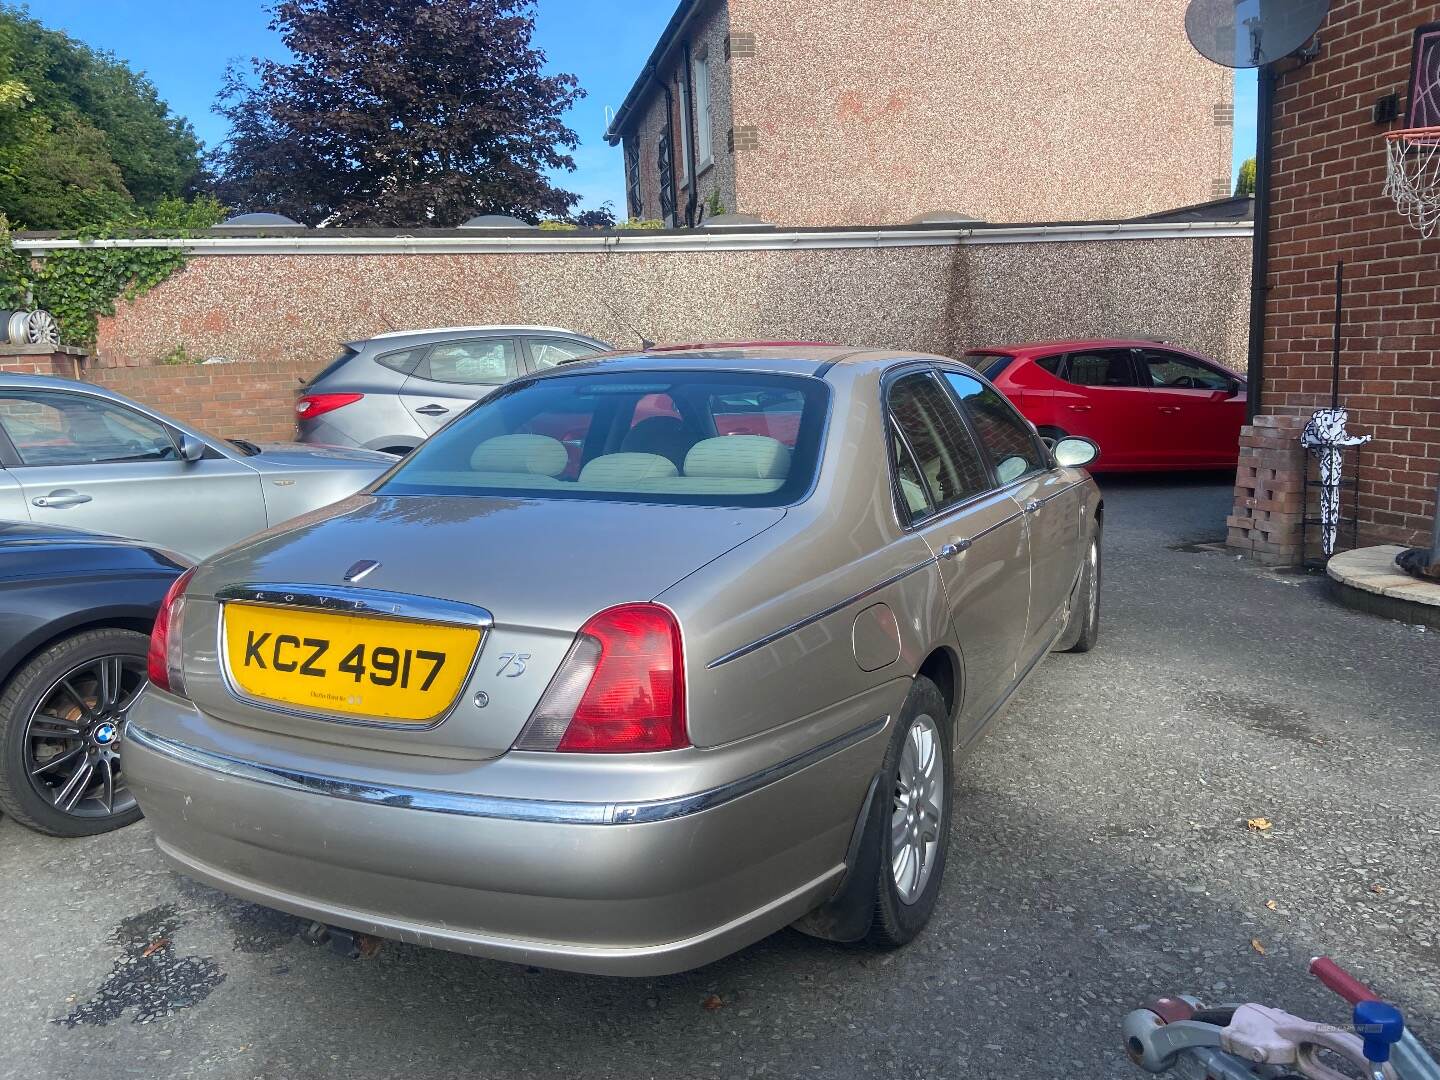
(72, 739)
(918, 809)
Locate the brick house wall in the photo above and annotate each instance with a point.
(868, 112)
(1329, 169)
(707, 37)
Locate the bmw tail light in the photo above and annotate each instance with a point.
(313, 405)
(620, 688)
(163, 660)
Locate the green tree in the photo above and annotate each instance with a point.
(1245, 182)
(400, 113)
(83, 138)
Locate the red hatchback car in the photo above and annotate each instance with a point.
(1148, 405)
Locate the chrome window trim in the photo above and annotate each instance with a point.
(508, 808)
(823, 613)
(338, 600)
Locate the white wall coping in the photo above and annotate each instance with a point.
(314, 242)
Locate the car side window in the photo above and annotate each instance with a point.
(1012, 443)
(918, 503)
(403, 361)
(1178, 372)
(949, 466)
(484, 361)
(1052, 364)
(1099, 367)
(76, 429)
(547, 353)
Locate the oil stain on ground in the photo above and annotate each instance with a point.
(148, 978)
(1266, 717)
(256, 929)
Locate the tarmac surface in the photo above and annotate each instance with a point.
(1101, 856)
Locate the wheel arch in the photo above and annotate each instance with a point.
(51, 634)
(944, 668)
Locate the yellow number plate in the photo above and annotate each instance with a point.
(392, 670)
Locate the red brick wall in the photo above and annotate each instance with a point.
(254, 401)
(59, 364)
(1329, 169)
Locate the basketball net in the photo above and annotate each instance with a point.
(1412, 175)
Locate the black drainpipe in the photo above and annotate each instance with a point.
(693, 202)
(1260, 260)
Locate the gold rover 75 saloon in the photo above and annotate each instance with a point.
(637, 661)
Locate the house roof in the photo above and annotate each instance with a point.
(668, 37)
(1230, 208)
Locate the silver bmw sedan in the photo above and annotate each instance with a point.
(634, 663)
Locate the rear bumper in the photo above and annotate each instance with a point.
(647, 887)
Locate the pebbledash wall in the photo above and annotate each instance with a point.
(1328, 176)
(278, 306)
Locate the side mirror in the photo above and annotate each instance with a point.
(191, 448)
(1075, 452)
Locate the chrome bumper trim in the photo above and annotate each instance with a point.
(495, 806)
(350, 600)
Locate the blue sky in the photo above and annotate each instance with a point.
(184, 45)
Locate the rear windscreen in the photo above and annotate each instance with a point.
(691, 438)
(332, 367)
(989, 364)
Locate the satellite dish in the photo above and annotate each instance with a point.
(1252, 33)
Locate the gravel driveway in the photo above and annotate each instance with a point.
(1101, 855)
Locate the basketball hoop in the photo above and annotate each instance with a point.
(1412, 175)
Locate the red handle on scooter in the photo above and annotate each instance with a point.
(1341, 981)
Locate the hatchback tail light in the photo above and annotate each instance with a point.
(313, 405)
(163, 660)
(620, 688)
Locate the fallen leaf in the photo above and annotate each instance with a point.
(1255, 944)
(1259, 824)
(1377, 889)
(712, 1003)
(155, 946)
(1272, 905)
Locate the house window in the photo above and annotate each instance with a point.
(684, 162)
(704, 154)
(632, 179)
(664, 166)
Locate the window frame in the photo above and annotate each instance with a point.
(704, 123)
(633, 207)
(518, 354)
(1047, 458)
(682, 174)
(12, 458)
(902, 511)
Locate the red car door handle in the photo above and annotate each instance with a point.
(1169, 410)
(1078, 408)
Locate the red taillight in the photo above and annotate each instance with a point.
(313, 405)
(620, 688)
(163, 660)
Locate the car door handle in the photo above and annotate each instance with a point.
(1033, 506)
(58, 500)
(432, 410)
(1169, 410)
(955, 547)
(1078, 408)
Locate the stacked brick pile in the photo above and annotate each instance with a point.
(1268, 519)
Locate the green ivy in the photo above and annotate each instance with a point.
(78, 285)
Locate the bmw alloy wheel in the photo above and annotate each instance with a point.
(73, 737)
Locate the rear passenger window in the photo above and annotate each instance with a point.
(950, 467)
(403, 361)
(1013, 445)
(487, 361)
(1102, 367)
(1052, 364)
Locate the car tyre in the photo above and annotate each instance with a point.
(1082, 630)
(30, 688)
(916, 796)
